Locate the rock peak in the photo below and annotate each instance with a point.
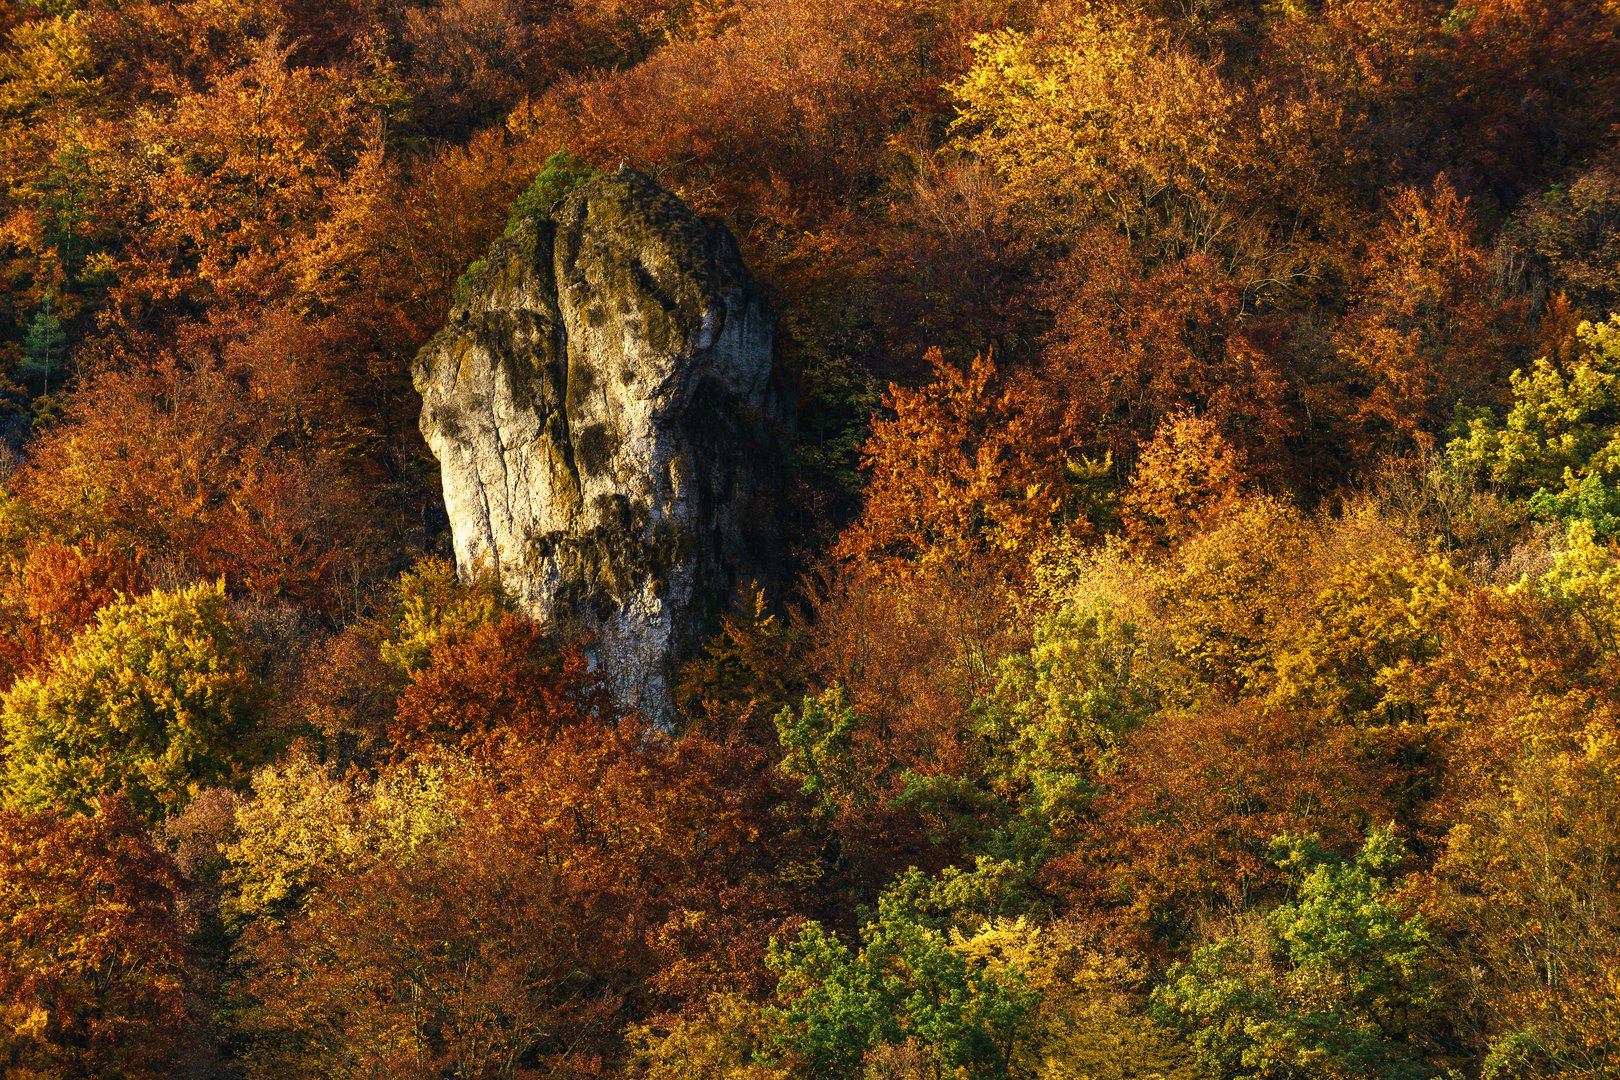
(603, 410)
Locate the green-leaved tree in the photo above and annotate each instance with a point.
(1336, 983)
(912, 994)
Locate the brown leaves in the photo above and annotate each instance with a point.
(217, 191)
(950, 479)
(221, 458)
(92, 955)
(1185, 822)
(748, 670)
(1185, 479)
(505, 680)
(585, 878)
(1429, 328)
(1131, 344)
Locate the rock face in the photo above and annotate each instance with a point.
(602, 408)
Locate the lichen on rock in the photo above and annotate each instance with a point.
(603, 409)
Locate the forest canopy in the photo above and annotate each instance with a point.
(1195, 652)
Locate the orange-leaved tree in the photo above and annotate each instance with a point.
(504, 680)
(960, 472)
(93, 952)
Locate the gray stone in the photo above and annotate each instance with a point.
(603, 411)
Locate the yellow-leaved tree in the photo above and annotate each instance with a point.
(1106, 117)
(155, 701)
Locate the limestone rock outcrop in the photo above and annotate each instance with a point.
(603, 410)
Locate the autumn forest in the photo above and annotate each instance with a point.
(1190, 646)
